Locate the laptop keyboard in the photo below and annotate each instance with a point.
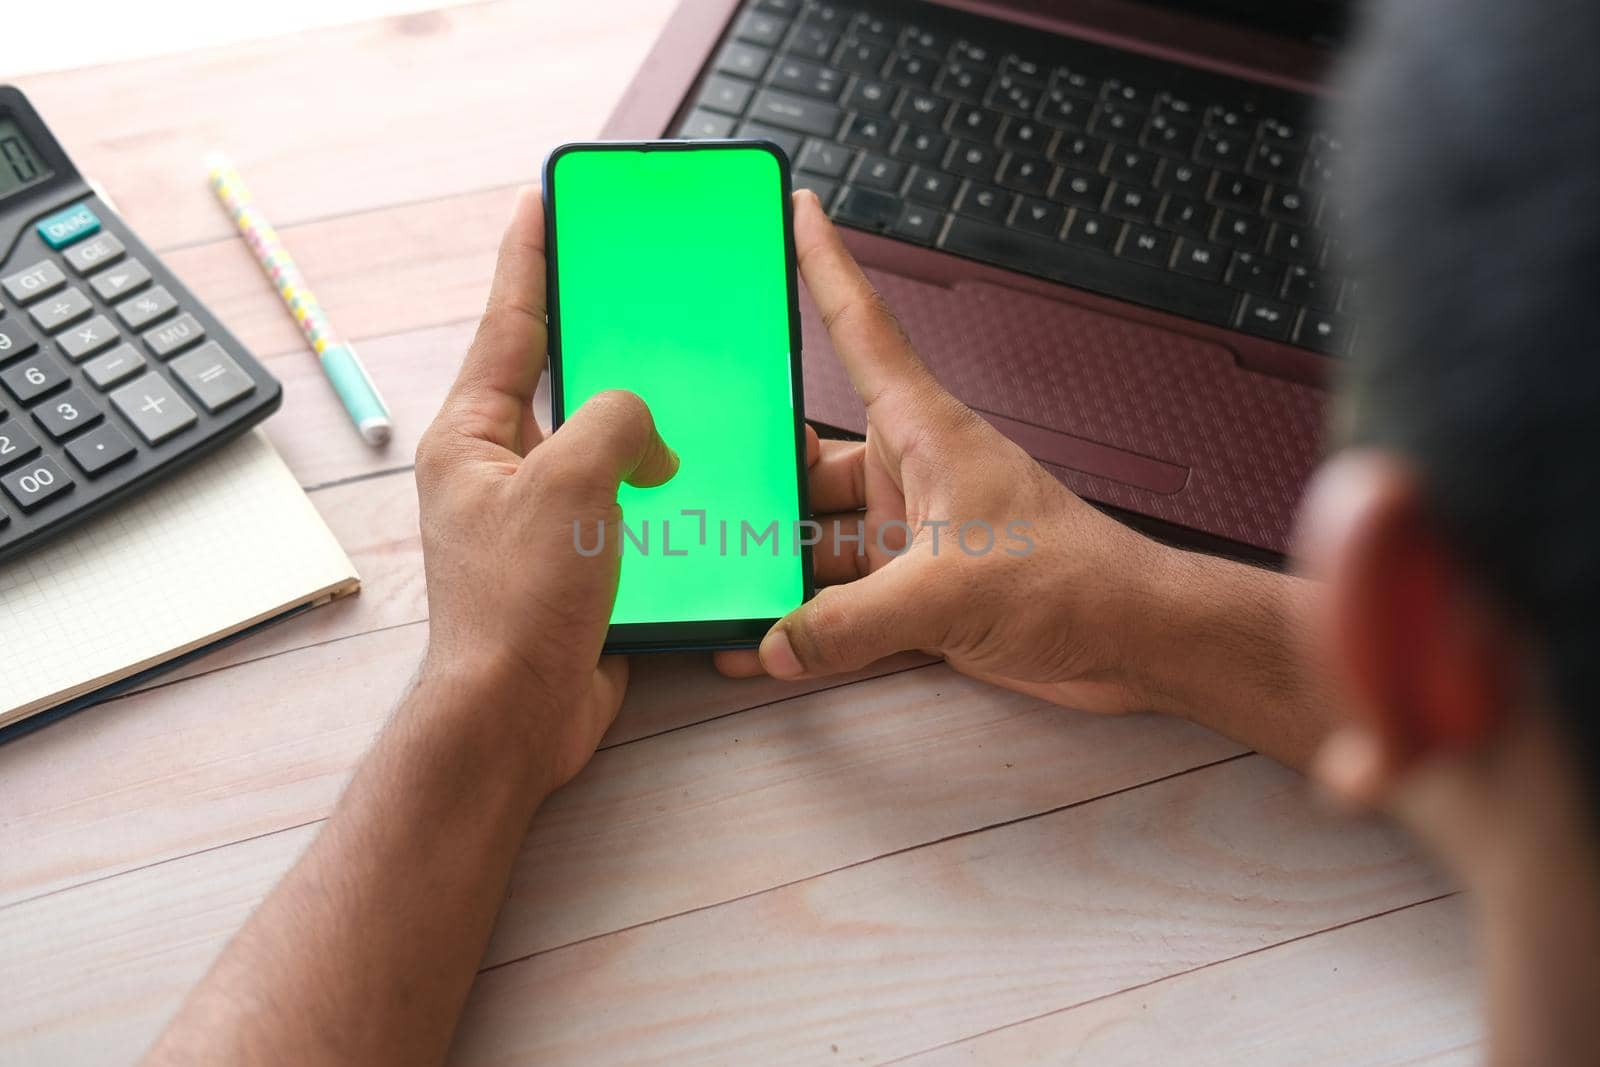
(1143, 180)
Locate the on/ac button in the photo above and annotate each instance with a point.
(65, 227)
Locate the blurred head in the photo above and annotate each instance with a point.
(1459, 527)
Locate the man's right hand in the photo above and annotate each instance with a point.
(1007, 575)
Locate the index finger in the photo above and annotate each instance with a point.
(494, 389)
(875, 351)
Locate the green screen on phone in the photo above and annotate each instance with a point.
(672, 276)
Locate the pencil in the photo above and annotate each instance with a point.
(339, 360)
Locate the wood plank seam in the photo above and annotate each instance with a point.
(1174, 976)
(891, 854)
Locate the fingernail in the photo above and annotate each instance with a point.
(777, 656)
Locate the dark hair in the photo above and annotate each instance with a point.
(1472, 192)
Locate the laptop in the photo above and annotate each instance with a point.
(1102, 222)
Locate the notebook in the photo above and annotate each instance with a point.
(210, 553)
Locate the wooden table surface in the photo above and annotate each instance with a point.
(908, 867)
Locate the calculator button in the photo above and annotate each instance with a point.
(41, 279)
(63, 309)
(212, 376)
(154, 407)
(92, 255)
(33, 378)
(64, 415)
(88, 338)
(36, 482)
(100, 449)
(16, 445)
(175, 336)
(117, 365)
(141, 311)
(15, 341)
(129, 277)
(65, 227)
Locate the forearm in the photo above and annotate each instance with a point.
(365, 952)
(1225, 645)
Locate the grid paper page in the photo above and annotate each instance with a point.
(227, 542)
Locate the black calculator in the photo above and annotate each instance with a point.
(112, 374)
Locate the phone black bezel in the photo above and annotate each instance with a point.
(699, 635)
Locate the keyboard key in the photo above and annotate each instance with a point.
(1026, 135)
(928, 42)
(1287, 134)
(875, 28)
(1132, 202)
(919, 146)
(1079, 150)
(1226, 119)
(1292, 243)
(979, 124)
(913, 70)
(90, 337)
(1123, 94)
(814, 42)
(760, 28)
(175, 336)
(796, 113)
(1255, 274)
(1014, 95)
(1324, 331)
(1201, 260)
(1170, 136)
(16, 444)
(807, 78)
(933, 187)
(32, 378)
(974, 160)
(973, 55)
(919, 223)
(742, 60)
(1240, 231)
(39, 280)
(1038, 216)
(1144, 245)
(826, 158)
(1132, 165)
(154, 407)
(830, 17)
(1065, 109)
(922, 109)
(142, 310)
(1086, 269)
(90, 256)
(1288, 204)
(1093, 231)
(15, 341)
(128, 277)
(1186, 215)
(1026, 71)
(1309, 286)
(863, 57)
(961, 81)
(117, 365)
(869, 131)
(1273, 161)
(1074, 82)
(825, 188)
(64, 415)
(784, 139)
(1266, 318)
(985, 202)
(1026, 174)
(1238, 192)
(1117, 123)
(880, 172)
(63, 309)
(65, 227)
(1191, 179)
(870, 96)
(1219, 149)
(727, 95)
(700, 125)
(36, 483)
(1081, 189)
(100, 449)
(212, 376)
(867, 209)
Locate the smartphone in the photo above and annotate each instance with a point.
(671, 273)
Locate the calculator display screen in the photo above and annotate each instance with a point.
(20, 165)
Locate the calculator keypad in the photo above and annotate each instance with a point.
(110, 373)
